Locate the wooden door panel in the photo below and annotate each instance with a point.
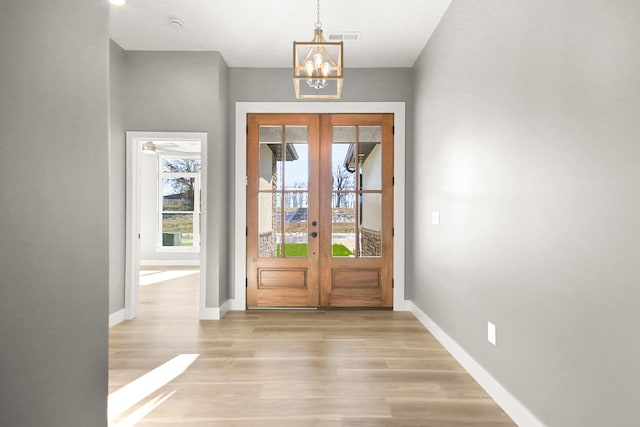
(274, 277)
(355, 278)
(281, 278)
(285, 298)
(356, 287)
(363, 298)
(365, 278)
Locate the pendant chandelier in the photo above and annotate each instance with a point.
(317, 66)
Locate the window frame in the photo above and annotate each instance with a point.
(197, 198)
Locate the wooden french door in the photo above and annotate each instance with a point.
(320, 210)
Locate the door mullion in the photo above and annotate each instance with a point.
(313, 210)
(357, 194)
(283, 215)
(325, 206)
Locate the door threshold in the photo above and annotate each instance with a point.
(281, 308)
(322, 308)
(358, 308)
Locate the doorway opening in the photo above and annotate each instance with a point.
(238, 232)
(166, 218)
(320, 210)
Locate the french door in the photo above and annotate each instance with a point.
(320, 210)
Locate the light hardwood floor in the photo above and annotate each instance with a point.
(285, 368)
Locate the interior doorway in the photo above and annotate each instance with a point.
(166, 215)
(320, 210)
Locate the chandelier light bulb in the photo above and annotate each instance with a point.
(309, 66)
(317, 60)
(326, 69)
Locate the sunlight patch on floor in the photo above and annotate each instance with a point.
(131, 394)
(162, 276)
(136, 416)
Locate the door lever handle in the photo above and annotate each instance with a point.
(314, 234)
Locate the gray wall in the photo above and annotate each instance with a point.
(276, 85)
(360, 85)
(54, 192)
(182, 92)
(117, 177)
(527, 142)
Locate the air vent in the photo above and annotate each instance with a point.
(343, 36)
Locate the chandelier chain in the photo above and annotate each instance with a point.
(318, 23)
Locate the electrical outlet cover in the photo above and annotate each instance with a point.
(435, 217)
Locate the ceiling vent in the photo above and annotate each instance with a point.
(343, 36)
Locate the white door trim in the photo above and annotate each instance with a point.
(132, 257)
(244, 108)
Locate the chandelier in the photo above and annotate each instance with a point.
(317, 66)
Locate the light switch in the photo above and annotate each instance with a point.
(491, 333)
(435, 217)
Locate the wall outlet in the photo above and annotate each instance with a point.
(435, 217)
(491, 333)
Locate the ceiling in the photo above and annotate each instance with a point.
(259, 33)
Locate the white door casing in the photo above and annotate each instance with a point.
(239, 237)
(134, 141)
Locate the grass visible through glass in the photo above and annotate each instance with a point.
(301, 250)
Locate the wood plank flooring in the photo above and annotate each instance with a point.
(286, 368)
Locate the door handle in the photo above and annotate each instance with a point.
(314, 234)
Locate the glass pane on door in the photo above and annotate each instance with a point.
(270, 167)
(296, 228)
(344, 134)
(343, 219)
(370, 225)
(296, 165)
(269, 225)
(370, 157)
(343, 178)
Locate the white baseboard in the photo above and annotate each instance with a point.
(169, 262)
(402, 305)
(226, 306)
(215, 313)
(237, 304)
(209, 313)
(512, 406)
(115, 318)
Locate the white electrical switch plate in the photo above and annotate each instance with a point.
(491, 333)
(435, 217)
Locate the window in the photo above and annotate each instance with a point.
(180, 190)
